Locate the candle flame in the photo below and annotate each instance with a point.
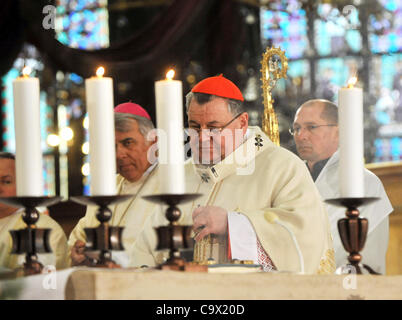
(100, 72)
(170, 74)
(351, 82)
(26, 71)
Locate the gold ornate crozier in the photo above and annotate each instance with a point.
(274, 66)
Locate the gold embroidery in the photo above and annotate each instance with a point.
(327, 264)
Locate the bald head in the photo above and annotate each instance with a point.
(316, 130)
(328, 110)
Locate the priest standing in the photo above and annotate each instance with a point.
(246, 182)
(315, 132)
(136, 176)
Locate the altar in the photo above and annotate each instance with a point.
(151, 284)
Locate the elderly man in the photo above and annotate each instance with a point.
(136, 176)
(11, 219)
(315, 132)
(247, 184)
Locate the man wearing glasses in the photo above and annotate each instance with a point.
(315, 132)
(245, 180)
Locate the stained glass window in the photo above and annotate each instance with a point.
(80, 24)
(287, 30)
(7, 113)
(49, 174)
(386, 84)
(333, 43)
(46, 123)
(386, 28)
(332, 74)
(297, 82)
(335, 32)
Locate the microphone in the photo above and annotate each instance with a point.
(273, 218)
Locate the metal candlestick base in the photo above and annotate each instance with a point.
(353, 229)
(103, 239)
(173, 236)
(30, 240)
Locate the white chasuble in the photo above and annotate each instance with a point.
(374, 251)
(256, 178)
(57, 241)
(130, 214)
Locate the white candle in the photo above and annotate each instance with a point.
(351, 141)
(169, 116)
(28, 152)
(102, 153)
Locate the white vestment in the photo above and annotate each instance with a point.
(57, 241)
(130, 214)
(375, 249)
(258, 177)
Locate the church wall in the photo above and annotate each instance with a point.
(391, 177)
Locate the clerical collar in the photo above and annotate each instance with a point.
(241, 160)
(317, 167)
(206, 166)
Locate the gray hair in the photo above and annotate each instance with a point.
(123, 123)
(7, 155)
(330, 111)
(235, 107)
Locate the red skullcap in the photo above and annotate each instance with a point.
(219, 86)
(133, 108)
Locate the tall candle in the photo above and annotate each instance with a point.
(102, 152)
(28, 152)
(351, 141)
(169, 116)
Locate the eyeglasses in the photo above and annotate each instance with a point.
(310, 128)
(210, 131)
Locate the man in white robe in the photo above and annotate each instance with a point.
(246, 182)
(11, 219)
(315, 131)
(136, 176)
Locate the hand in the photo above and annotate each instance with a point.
(77, 253)
(211, 220)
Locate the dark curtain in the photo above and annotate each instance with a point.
(141, 53)
(209, 31)
(11, 34)
(208, 34)
(138, 53)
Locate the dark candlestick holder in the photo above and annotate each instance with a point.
(31, 240)
(353, 229)
(105, 238)
(173, 236)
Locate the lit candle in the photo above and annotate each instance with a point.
(102, 153)
(351, 140)
(169, 116)
(28, 152)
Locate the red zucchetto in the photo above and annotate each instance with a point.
(219, 86)
(133, 108)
